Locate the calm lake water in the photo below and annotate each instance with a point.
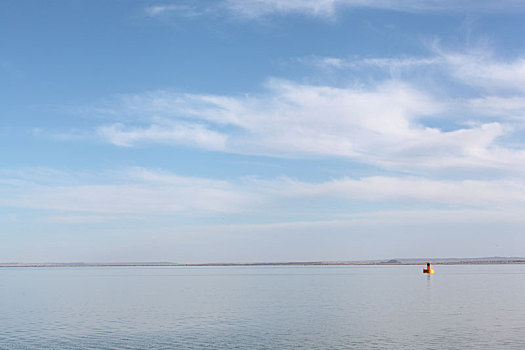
(338, 307)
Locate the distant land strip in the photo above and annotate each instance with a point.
(411, 261)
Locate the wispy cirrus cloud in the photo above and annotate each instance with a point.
(166, 9)
(489, 85)
(382, 125)
(478, 67)
(290, 119)
(390, 122)
(137, 193)
(191, 134)
(385, 63)
(507, 107)
(160, 9)
(472, 193)
(324, 9)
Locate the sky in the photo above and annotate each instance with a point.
(261, 130)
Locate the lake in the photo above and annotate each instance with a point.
(293, 307)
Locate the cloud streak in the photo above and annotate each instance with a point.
(382, 125)
(330, 8)
(133, 192)
(291, 118)
(391, 123)
(172, 133)
(324, 9)
(162, 10)
(143, 193)
(475, 67)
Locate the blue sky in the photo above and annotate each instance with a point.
(261, 130)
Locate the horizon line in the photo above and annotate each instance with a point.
(391, 261)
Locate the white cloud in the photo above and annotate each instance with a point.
(328, 8)
(79, 219)
(137, 191)
(479, 68)
(185, 10)
(324, 9)
(476, 67)
(382, 125)
(257, 8)
(411, 189)
(179, 133)
(493, 110)
(176, 218)
(142, 193)
(159, 9)
(508, 107)
(392, 65)
(290, 119)
(408, 125)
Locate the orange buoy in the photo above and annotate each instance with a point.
(428, 269)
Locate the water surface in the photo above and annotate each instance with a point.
(330, 307)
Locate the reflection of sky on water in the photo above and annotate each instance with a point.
(391, 307)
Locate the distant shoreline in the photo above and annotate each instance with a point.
(391, 262)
